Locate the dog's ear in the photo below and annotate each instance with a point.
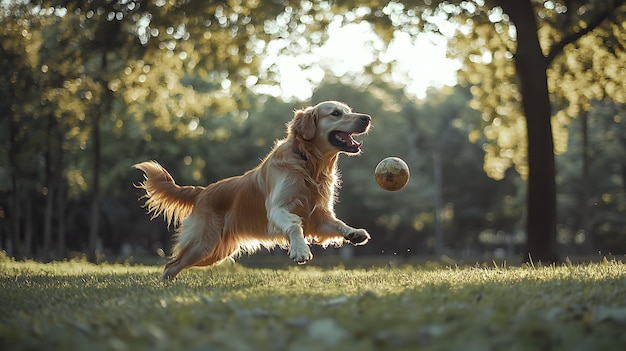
(304, 123)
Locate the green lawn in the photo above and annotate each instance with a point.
(80, 306)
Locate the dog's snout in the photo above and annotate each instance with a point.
(365, 121)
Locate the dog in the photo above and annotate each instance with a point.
(287, 200)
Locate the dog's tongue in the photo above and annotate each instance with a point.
(348, 139)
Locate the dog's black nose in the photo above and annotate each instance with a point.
(366, 118)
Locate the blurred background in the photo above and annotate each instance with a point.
(88, 88)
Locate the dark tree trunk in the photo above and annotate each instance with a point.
(105, 106)
(531, 68)
(94, 222)
(13, 246)
(438, 177)
(584, 191)
(29, 230)
(51, 186)
(46, 249)
(54, 245)
(16, 214)
(61, 206)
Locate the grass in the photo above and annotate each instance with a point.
(76, 305)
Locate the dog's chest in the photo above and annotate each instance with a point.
(316, 195)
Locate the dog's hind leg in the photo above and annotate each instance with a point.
(185, 257)
(197, 240)
(194, 257)
(225, 248)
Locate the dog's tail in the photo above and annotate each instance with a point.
(164, 196)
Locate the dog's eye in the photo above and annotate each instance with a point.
(336, 113)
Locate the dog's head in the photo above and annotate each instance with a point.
(330, 126)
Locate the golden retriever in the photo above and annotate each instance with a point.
(287, 200)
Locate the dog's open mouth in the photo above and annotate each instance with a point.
(345, 142)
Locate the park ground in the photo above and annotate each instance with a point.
(76, 305)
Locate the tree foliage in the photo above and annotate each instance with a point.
(93, 87)
(508, 50)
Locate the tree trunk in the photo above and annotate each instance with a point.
(13, 247)
(438, 177)
(46, 249)
(95, 195)
(61, 205)
(105, 106)
(61, 196)
(584, 192)
(531, 71)
(51, 182)
(29, 231)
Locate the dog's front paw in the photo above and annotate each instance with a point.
(300, 253)
(358, 237)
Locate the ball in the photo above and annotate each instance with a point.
(392, 173)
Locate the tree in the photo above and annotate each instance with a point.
(165, 65)
(531, 68)
(511, 51)
(592, 191)
(20, 38)
(92, 85)
(532, 72)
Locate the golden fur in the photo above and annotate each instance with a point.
(287, 200)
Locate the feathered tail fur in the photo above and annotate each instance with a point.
(164, 196)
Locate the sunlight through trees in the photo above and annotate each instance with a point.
(530, 144)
